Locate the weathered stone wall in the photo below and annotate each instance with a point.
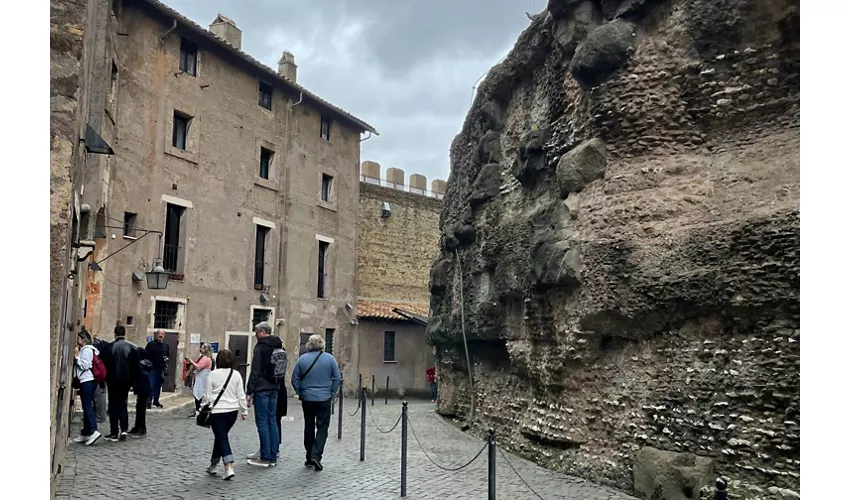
(395, 253)
(624, 201)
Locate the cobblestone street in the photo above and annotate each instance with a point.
(170, 462)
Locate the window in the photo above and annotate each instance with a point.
(129, 321)
(265, 95)
(116, 6)
(323, 254)
(329, 340)
(188, 57)
(171, 247)
(165, 315)
(326, 128)
(180, 135)
(129, 224)
(259, 316)
(265, 162)
(302, 347)
(260, 257)
(113, 89)
(389, 346)
(327, 182)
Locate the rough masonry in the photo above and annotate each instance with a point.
(623, 214)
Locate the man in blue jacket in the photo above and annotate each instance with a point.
(316, 379)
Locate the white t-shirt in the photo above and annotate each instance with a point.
(234, 396)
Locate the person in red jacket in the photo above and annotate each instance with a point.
(432, 380)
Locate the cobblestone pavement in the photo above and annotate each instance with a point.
(170, 462)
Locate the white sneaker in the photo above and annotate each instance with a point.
(211, 470)
(258, 463)
(228, 474)
(93, 438)
(254, 456)
(81, 439)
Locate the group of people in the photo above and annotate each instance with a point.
(218, 389)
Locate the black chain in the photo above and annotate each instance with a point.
(372, 416)
(449, 469)
(356, 410)
(517, 475)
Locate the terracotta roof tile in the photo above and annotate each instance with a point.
(377, 309)
(181, 19)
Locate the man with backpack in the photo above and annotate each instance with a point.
(316, 379)
(122, 365)
(268, 360)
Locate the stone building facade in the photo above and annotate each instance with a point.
(238, 180)
(398, 238)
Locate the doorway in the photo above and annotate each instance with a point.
(239, 344)
(171, 339)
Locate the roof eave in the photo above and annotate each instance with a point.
(187, 23)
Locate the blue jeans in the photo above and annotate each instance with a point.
(433, 390)
(265, 409)
(87, 396)
(221, 423)
(156, 386)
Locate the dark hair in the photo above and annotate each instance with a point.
(119, 331)
(83, 334)
(225, 359)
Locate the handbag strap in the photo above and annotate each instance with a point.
(312, 365)
(223, 388)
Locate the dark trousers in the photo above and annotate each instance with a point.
(197, 405)
(317, 418)
(117, 396)
(156, 386)
(141, 407)
(221, 423)
(87, 390)
(280, 412)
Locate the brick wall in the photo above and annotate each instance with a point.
(395, 253)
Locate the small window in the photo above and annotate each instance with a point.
(129, 321)
(326, 128)
(165, 315)
(265, 162)
(265, 95)
(260, 257)
(113, 88)
(259, 316)
(172, 256)
(116, 7)
(180, 136)
(129, 224)
(323, 254)
(327, 183)
(188, 57)
(329, 340)
(389, 346)
(302, 347)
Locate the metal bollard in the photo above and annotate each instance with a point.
(341, 397)
(363, 423)
(403, 448)
(491, 465)
(373, 390)
(387, 392)
(720, 491)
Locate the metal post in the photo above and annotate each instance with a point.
(360, 383)
(387, 392)
(720, 493)
(363, 423)
(491, 465)
(341, 397)
(373, 390)
(403, 448)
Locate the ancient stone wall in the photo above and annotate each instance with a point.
(395, 252)
(624, 203)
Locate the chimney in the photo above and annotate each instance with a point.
(286, 67)
(226, 29)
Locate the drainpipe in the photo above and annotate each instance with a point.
(301, 98)
(367, 137)
(173, 27)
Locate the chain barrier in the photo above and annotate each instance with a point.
(505, 458)
(372, 416)
(448, 469)
(356, 410)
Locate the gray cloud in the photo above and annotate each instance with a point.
(405, 66)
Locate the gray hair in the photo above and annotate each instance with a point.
(315, 343)
(264, 326)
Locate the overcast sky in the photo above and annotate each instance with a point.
(407, 67)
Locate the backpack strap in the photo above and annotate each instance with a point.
(304, 375)
(223, 388)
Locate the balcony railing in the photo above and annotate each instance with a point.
(170, 257)
(401, 187)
